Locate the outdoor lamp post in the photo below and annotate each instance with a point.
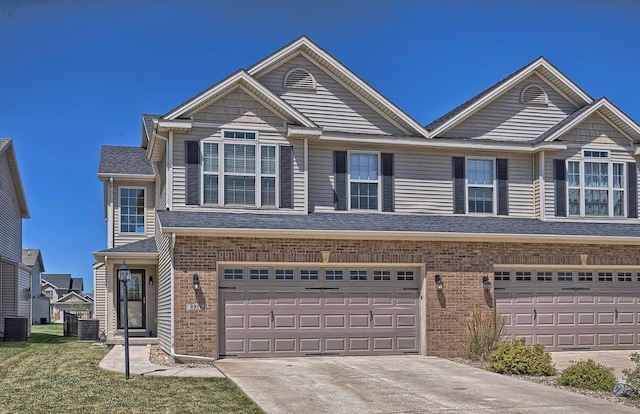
(124, 275)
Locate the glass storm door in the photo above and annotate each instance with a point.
(136, 301)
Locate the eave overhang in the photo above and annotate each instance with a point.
(128, 177)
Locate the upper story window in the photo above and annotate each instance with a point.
(132, 210)
(238, 171)
(596, 185)
(364, 180)
(480, 185)
(299, 78)
(533, 95)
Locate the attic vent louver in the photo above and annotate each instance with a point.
(299, 79)
(533, 95)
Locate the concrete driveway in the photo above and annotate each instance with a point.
(399, 384)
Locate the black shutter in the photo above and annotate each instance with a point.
(192, 172)
(286, 176)
(560, 178)
(340, 172)
(458, 186)
(388, 201)
(632, 189)
(502, 167)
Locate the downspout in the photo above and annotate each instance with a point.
(166, 168)
(306, 175)
(543, 186)
(169, 175)
(173, 319)
(110, 213)
(107, 317)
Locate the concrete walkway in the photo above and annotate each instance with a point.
(618, 360)
(139, 364)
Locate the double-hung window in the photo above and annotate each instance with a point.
(480, 185)
(132, 210)
(364, 180)
(596, 185)
(236, 171)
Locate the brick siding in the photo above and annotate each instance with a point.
(460, 264)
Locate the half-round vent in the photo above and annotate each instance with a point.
(299, 79)
(533, 95)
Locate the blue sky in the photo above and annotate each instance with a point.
(75, 75)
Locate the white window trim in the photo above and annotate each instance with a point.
(144, 189)
(378, 181)
(257, 144)
(610, 189)
(492, 186)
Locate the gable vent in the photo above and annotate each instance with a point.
(533, 95)
(299, 79)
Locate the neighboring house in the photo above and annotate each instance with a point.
(291, 209)
(14, 276)
(39, 302)
(65, 295)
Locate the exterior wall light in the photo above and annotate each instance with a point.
(150, 280)
(196, 282)
(439, 283)
(486, 283)
(124, 275)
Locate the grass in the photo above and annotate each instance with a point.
(55, 374)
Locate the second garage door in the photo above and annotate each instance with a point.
(294, 311)
(568, 310)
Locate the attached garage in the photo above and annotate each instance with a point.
(571, 309)
(292, 310)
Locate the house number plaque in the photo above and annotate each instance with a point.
(194, 306)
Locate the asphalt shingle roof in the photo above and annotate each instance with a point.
(61, 281)
(565, 121)
(147, 119)
(29, 256)
(142, 246)
(124, 160)
(393, 223)
(77, 284)
(4, 142)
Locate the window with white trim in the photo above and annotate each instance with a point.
(237, 171)
(381, 275)
(596, 185)
(364, 180)
(131, 210)
(502, 276)
(333, 275)
(565, 276)
(284, 274)
(259, 274)
(357, 275)
(308, 275)
(233, 274)
(480, 185)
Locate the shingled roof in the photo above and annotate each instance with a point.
(61, 281)
(142, 246)
(124, 160)
(393, 224)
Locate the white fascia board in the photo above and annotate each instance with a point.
(404, 235)
(100, 256)
(630, 122)
(304, 41)
(297, 131)
(175, 124)
(541, 62)
(443, 144)
(129, 177)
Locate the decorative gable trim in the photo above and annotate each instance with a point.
(541, 67)
(240, 78)
(344, 76)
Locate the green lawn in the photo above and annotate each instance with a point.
(52, 374)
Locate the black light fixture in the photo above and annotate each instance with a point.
(150, 280)
(196, 282)
(439, 283)
(124, 275)
(486, 283)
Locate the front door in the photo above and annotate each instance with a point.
(136, 301)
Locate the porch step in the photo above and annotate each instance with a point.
(119, 340)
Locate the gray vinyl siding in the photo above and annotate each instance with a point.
(331, 105)
(593, 133)
(23, 296)
(264, 137)
(164, 292)
(100, 296)
(8, 290)
(423, 181)
(507, 119)
(238, 107)
(536, 186)
(150, 212)
(10, 216)
(160, 169)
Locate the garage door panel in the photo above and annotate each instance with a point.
(234, 346)
(409, 298)
(382, 298)
(406, 321)
(235, 321)
(283, 298)
(335, 344)
(407, 343)
(360, 344)
(309, 321)
(335, 321)
(573, 314)
(358, 298)
(284, 345)
(383, 321)
(383, 343)
(310, 345)
(259, 345)
(284, 321)
(335, 298)
(358, 320)
(310, 298)
(259, 322)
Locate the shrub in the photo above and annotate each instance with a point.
(482, 331)
(588, 375)
(517, 358)
(632, 376)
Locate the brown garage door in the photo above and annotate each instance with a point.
(289, 311)
(566, 310)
